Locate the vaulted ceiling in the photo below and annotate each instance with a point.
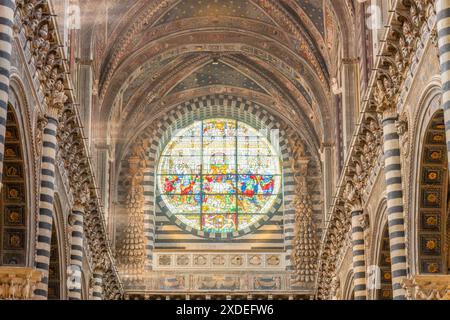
(150, 55)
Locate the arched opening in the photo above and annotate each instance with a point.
(384, 262)
(13, 202)
(433, 198)
(54, 277)
(348, 290)
(219, 193)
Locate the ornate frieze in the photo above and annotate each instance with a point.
(428, 287)
(216, 261)
(215, 281)
(18, 283)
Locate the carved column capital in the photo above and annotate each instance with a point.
(384, 100)
(82, 195)
(352, 197)
(402, 124)
(101, 263)
(56, 99)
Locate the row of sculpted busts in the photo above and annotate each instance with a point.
(35, 21)
(403, 41)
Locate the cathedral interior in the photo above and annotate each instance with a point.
(224, 149)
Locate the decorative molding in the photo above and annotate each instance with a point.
(428, 287)
(170, 261)
(18, 283)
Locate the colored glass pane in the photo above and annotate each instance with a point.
(219, 223)
(219, 176)
(219, 184)
(181, 184)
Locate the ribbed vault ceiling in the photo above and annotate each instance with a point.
(148, 53)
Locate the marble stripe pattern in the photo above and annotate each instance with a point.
(7, 8)
(395, 208)
(76, 253)
(149, 218)
(46, 209)
(359, 258)
(97, 286)
(443, 29)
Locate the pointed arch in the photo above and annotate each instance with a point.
(433, 198)
(54, 276)
(14, 209)
(384, 262)
(57, 288)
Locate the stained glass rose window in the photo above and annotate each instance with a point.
(219, 176)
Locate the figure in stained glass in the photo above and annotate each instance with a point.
(222, 170)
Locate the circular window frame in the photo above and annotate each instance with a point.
(173, 217)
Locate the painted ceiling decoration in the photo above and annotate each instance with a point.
(215, 73)
(156, 54)
(314, 10)
(203, 8)
(150, 16)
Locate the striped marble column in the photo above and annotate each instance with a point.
(7, 8)
(149, 218)
(76, 253)
(443, 29)
(359, 257)
(45, 214)
(395, 208)
(97, 285)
